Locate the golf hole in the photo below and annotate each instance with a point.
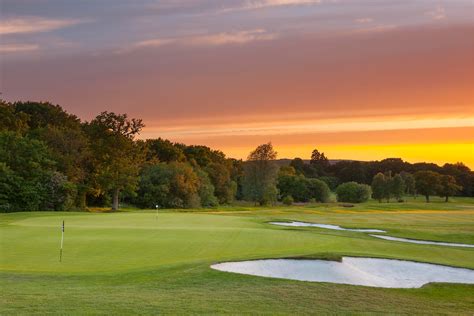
(326, 226)
(384, 273)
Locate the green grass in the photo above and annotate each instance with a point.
(140, 263)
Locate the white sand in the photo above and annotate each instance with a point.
(356, 271)
(326, 226)
(423, 242)
(336, 227)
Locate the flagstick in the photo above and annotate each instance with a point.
(62, 242)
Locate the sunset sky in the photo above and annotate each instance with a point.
(357, 79)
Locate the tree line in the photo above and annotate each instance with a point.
(51, 160)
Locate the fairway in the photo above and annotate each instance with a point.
(140, 262)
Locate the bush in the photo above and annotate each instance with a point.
(303, 189)
(319, 190)
(288, 200)
(353, 192)
(294, 186)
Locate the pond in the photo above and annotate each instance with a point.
(327, 226)
(385, 273)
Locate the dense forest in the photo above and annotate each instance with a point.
(51, 160)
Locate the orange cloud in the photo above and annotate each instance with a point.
(224, 38)
(34, 24)
(16, 48)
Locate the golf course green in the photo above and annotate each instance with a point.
(141, 262)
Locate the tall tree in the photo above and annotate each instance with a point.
(319, 161)
(260, 171)
(463, 175)
(448, 187)
(410, 185)
(117, 158)
(379, 187)
(397, 186)
(236, 175)
(427, 183)
(389, 185)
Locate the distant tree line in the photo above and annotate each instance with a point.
(393, 177)
(51, 160)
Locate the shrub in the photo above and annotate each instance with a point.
(319, 190)
(353, 192)
(294, 186)
(288, 200)
(303, 189)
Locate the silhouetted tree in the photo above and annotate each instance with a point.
(448, 187)
(379, 187)
(319, 162)
(397, 186)
(410, 185)
(260, 172)
(427, 183)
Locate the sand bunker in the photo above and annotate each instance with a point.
(326, 226)
(423, 242)
(336, 227)
(384, 273)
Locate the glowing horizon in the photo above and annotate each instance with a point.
(446, 140)
(410, 153)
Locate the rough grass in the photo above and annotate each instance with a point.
(138, 263)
